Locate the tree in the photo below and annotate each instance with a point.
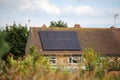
(17, 38)
(59, 23)
(4, 47)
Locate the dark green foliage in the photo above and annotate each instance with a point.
(4, 47)
(59, 23)
(17, 37)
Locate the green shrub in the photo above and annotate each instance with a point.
(34, 66)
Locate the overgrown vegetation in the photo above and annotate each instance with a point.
(34, 66)
(4, 47)
(60, 24)
(16, 36)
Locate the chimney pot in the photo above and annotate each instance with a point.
(44, 26)
(77, 26)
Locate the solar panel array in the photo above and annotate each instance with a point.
(59, 40)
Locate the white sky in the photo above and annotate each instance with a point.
(88, 13)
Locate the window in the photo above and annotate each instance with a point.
(74, 59)
(52, 60)
(81, 58)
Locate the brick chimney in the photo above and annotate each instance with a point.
(44, 26)
(77, 26)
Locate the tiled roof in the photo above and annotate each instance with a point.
(103, 40)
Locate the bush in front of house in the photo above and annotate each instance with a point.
(34, 66)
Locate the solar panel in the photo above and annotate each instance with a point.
(59, 40)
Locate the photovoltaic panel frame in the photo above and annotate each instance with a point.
(59, 40)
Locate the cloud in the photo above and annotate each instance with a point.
(82, 10)
(90, 11)
(44, 5)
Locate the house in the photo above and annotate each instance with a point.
(64, 45)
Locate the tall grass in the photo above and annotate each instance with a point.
(34, 66)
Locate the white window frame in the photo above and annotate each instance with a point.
(78, 59)
(73, 58)
(81, 58)
(52, 58)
